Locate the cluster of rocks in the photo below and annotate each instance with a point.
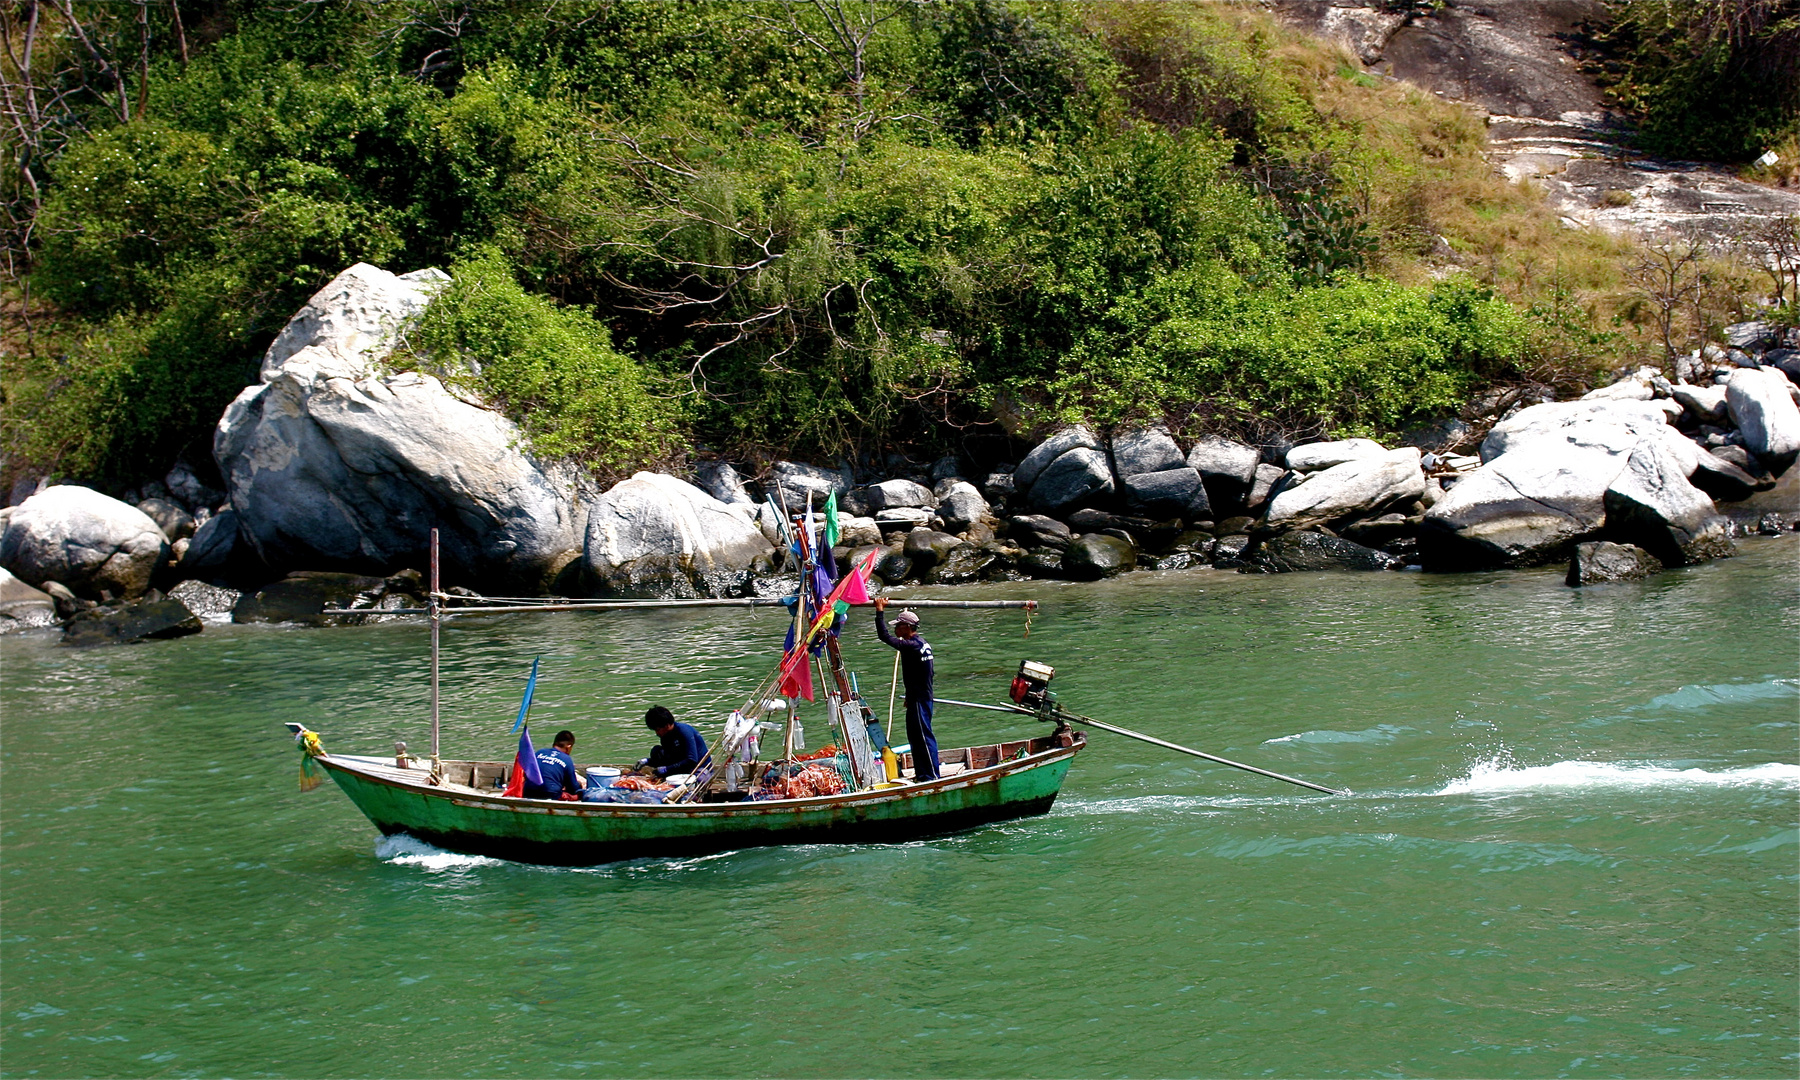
(1082, 506)
(337, 468)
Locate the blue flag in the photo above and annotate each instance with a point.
(530, 685)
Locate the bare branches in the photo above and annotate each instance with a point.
(1667, 270)
(108, 68)
(850, 26)
(845, 42)
(1779, 239)
(446, 21)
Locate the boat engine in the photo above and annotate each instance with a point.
(1031, 686)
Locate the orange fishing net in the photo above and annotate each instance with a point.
(815, 780)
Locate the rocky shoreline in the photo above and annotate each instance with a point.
(336, 468)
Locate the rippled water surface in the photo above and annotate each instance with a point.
(1572, 849)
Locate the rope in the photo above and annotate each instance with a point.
(893, 694)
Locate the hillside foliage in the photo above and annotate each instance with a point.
(810, 228)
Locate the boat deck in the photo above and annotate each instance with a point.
(488, 777)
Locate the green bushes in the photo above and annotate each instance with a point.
(1358, 356)
(552, 368)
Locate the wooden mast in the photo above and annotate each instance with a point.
(435, 609)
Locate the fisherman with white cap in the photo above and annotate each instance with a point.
(916, 672)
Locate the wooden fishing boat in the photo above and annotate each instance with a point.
(464, 812)
(734, 799)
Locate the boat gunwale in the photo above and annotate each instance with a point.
(469, 797)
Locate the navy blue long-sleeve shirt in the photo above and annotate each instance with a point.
(679, 751)
(916, 669)
(558, 770)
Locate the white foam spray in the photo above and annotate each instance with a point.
(403, 850)
(1501, 776)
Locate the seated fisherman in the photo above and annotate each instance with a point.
(681, 748)
(558, 769)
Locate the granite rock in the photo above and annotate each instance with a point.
(791, 482)
(122, 624)
(90, 542)
(1077, 478)
(1038, 531)
(961, 507)
(892, 494)
(1764, 411)
(1097, 555)
(656, 536)
(1313, 457)
(1171, 493)
(722, 482)
(1145, 450)
(1358, 486)
(1599, 561)
(1048, 451)
(1307, 551)
(1227, 469)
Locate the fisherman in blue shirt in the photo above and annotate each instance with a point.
(558, 769)
(681, 746)
(916, 671)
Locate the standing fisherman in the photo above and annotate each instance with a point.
(916, 671)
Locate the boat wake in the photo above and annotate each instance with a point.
(1381, 733)
(1702, 696)
(1151, 804)
(1499, 777)
(403, 850)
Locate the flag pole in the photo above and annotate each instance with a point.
(434, 608)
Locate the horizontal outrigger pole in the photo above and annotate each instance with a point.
(1151, 739)
(608, 605)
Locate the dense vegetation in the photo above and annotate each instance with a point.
(1717, 80)
(800, 227)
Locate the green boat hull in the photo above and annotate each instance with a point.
(585, 834)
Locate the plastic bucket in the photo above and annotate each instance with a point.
(604, 775)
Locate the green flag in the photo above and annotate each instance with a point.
(831, 524)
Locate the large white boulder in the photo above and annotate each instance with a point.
(1313, 457)
(331, 465)
(350, 326)
(1522, 508)
(657, 536)
(90, 542)
(1562, 472)
(1610, 425)
(1765, 414)
(1652, 504)
(1354, 487)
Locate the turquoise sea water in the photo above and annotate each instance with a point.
(1573, 849)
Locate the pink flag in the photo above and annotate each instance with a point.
(854, 588)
